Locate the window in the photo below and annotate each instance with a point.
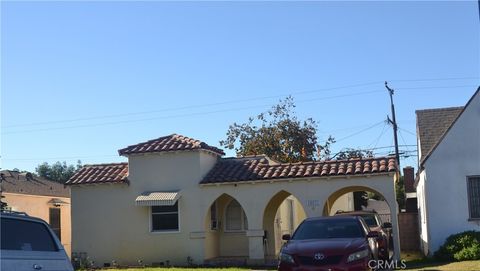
(235, 218)
(54, 221)
(213, 217)
(473, 190)
(165, 218)
(291, 215)
(25, 235)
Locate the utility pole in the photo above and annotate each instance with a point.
(394, 124)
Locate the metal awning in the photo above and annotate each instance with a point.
(57, 202)
(157, 198)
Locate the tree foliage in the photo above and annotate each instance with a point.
(58, 172)
(279, 134)
(400, 192)
(3, 205)
(348, 153)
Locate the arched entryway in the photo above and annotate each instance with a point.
(283, 213)
(348, 199)
(226, 225)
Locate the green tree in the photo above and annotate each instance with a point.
(348, 153)
(279, 134)
(3, 205)
(400, 193)
(58, 172)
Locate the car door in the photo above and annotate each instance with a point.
(29, 245)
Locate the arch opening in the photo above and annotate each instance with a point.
(371, 205)
(282, 214)
(225, 231)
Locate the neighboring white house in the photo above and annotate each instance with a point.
(177, 201)
(448, 179)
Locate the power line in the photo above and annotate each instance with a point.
(361, 131)
(435, 79)
(412, 133)
(437, 87)
(237, 101)
(379, 137)
(186, 115)
(59, 158)
(193, 106)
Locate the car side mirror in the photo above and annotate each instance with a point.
(286, 237)
(373, 234)
(387, 225)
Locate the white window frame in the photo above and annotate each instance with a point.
(469, 178)
(150, 222)
(243, 217)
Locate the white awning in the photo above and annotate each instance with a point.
(157, 198)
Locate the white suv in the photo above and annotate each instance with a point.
(28, 244)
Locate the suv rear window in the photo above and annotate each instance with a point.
(25, 235)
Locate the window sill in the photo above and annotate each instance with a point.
(165, 232)
(474, 219)
(239, 232)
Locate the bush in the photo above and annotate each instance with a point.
(460, 247)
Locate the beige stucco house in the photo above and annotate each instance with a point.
(177, 201)
(38, 197)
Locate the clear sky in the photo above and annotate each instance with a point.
(80, 80)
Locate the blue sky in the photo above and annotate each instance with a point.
(80, 80)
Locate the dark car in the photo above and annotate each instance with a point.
(375, 224)
(329, 243)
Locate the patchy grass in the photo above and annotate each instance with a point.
(429, 265)
(417, 262)
(177, 269)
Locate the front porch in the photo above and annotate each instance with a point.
(245, 220)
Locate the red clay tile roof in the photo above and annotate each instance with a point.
(100, 173)
(172, 142)
(261, 168)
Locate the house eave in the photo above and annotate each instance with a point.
(309, 179)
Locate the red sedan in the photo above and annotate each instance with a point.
(341, 243)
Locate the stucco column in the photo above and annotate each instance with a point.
(256, 254)
(396, 232)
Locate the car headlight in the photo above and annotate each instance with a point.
(286, 258)
(358, 255)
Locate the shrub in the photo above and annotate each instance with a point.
(460, 247)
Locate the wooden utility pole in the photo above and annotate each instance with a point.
(394, 124)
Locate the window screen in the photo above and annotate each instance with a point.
(474, 196)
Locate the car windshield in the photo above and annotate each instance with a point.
(370, 219)
(326, 229)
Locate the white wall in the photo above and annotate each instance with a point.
(422, 213)
(343, 203)
(455, 158)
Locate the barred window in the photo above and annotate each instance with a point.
(235, 218)
(473, 184)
